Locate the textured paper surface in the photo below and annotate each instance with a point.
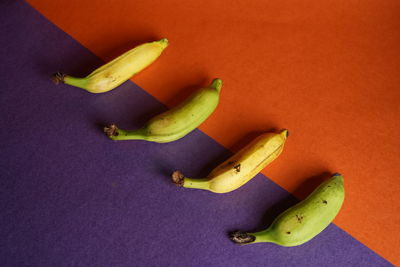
(326, 70)
(71, 197)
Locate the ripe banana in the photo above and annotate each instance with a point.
(177, 122)
(304, 220)
(241, 167)
(117, 71)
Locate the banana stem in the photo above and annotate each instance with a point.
(180, 180)
(243, 238)
(114, 133)
(60, 77)
(263, 236)
(78, 82)
(196, 183)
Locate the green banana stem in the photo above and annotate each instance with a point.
(114, 133)
(78, 82)
(180, 180)
(60, 77)
(196, 183)
(263, 236)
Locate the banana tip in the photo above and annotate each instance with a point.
(241, 238)
(164, 41)
(58, 77)
(111, 130)
(177, 178)
(285, 132)
(337, 174)
(216, 84)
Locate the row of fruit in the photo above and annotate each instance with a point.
(293, 227)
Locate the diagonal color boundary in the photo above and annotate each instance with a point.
(69, 196)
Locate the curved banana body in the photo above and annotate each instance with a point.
(304, 220)
(117, 71)
(241, 167)
(176, 122)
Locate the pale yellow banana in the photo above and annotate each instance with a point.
(117, 71)
(241, 167)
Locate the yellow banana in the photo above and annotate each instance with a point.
(176, 122)
(117, 71)
(241, 167)
(304, 220)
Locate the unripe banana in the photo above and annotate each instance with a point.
(241, 167)
(176, 122)
(117, 71)
(304, 220)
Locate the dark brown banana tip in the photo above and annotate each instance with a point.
(241, 238)
(287, 133)
(58, 77)
(178, 178)
(111, 130)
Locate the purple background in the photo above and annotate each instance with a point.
(71, 197)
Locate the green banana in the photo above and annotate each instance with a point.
(117, 71)
(304, 220)
(241, 167)
(176, 122)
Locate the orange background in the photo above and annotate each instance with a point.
(329, 71)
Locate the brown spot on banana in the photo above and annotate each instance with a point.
(299, 218)
(237, 167)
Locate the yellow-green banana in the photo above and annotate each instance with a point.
(176, 122)
(304, 220)
(241, 167)
(117, 71)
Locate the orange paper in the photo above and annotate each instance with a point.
(326, 70)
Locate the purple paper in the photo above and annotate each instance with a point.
(69, 196)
